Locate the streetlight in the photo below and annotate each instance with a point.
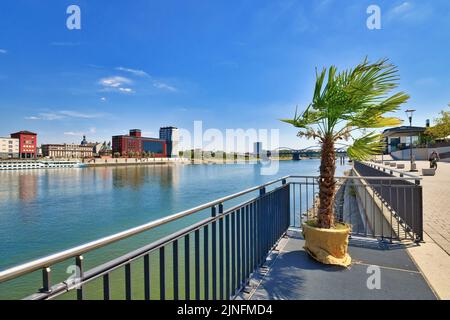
(410, 113)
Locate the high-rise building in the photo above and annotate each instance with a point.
(27, 144)
(9, 148)
(172, 137)
(257, 148)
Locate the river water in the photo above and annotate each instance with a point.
(45, 211)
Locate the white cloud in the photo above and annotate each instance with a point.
(139, 73)
(64, 114)
(80, 133)
(47, 116)
(103, 99)
(410, 12)
(76, 114)
(164, 86)
(116, 83)
(73, 133)
(3, 51)
(126, 90)
(402, 8)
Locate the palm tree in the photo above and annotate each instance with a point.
(345, 103)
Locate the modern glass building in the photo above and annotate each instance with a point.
(171, 136)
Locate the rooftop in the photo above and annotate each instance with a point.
(25, 132)
(403, 129)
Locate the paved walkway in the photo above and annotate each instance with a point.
(293, 275)
(436, 203)
(433, 256)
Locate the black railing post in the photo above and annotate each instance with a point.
(106, 291)
(206, 261)
(221, 257)
(79, 276)
(162, 274)
(214, 255)
(46, 280)
(197, 263)
(147, 277)
(187, 267)
(175, 270)
(128, 281)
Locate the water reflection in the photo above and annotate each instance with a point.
(19, 185)
(166, 176)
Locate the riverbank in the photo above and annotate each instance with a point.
(153, 161)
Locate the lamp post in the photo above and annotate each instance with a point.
(410, 113)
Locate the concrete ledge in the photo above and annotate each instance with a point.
(434, 263)
(428, 172)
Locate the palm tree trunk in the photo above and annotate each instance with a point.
(327, 184)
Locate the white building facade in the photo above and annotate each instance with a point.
(9, 148)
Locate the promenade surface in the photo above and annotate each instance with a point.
(433, 255)
(436, 202)
(292, 274)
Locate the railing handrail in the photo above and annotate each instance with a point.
(405, 174)
(359, 178)
(52, 259)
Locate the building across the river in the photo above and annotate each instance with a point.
(9, 148)
(67, 150)
(134, 145)
(27, 144)
(171, 136)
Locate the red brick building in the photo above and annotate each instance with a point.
(134, 145)
(27, 144)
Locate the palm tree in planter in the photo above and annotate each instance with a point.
(345, 106)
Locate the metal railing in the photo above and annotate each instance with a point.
(210, 259)
(403, 197)
(374, 206)
(218, 252)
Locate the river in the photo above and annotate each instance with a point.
(45, 211)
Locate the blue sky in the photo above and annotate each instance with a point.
(232, 64)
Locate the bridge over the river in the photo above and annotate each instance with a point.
(310, 152)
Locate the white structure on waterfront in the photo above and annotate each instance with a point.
(172, 137)
(38, 164)
(63, 151)
(9, 148)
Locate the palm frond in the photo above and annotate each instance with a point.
(366, 146)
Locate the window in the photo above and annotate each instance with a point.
(153, 146)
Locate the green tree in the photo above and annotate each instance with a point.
(441, 129)
(344, 104)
